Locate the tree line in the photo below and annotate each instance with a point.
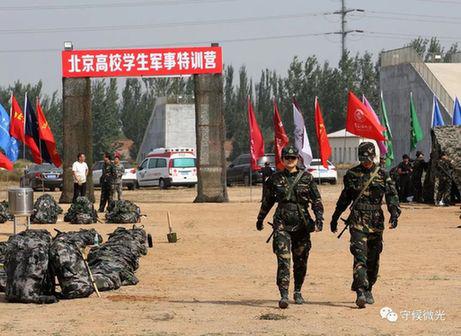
(125, 114)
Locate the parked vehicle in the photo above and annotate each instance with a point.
(239, 170)
(166, 167)
(323, 174)
(42, 176)
(129, 179)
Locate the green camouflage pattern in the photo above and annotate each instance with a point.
(382, 186)
(123, 212)
(366, 152)
(444, 179)
(119, 171)
(287, 216)
(286, 244)
(81, 212)
(46, 210)
(5, 214)
(366, 248)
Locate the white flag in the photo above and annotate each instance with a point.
(301, 139)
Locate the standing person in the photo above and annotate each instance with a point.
(119, 170)
(267, 172)
(368, 184)
(79, 173)
(293, 189)
(107, 182)
(404, 171)
(445, 178)
(419, 167)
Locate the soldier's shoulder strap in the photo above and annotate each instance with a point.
(365, 187)
(295, 182)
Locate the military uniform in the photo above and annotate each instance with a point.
(404, 170)
(108, 177)
(366, 222)
(118, 186)
(419, 167)
(444, 175)
(291, 231)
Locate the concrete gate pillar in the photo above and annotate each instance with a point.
(77, 132)
(209, 125)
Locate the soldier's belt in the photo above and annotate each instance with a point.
(290, 206)
(367, 207)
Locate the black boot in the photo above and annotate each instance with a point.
(361, 299)
(369, 296)
(283, 303)
(298, 297)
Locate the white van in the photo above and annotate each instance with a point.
(166, 167)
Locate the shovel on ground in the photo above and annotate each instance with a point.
(172, 237)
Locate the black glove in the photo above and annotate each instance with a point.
(318, 225)
(334, 222)
(393, 222)
(260, 224)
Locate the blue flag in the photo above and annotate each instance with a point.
(7, 143)
(437, 119)
(457, 113)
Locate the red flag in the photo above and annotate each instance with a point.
(256, 138)
(360, 121)
(17, 120)
(5, 162)
(322, 138)
(280, 138)
(46, 135)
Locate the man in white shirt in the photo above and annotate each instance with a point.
(79, 172)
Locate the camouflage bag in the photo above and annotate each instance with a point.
(28, 275)
(81, 212)
(68, 265)
(5, 214)
(113, 263)
(123, 212)
(46, 210)
(3, 247)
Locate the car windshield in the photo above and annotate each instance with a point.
(46, 167)
(184, 163)
(266, 158)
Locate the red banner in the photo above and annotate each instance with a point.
(142, 62)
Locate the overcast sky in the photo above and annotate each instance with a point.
(32, 31)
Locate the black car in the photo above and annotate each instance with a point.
(239, 170)
(43, 176)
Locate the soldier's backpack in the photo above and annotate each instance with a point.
(66, 259)
(81, 212)
(46, 210)
(28, 275)
(123, 212)
(5, 214)
(3, 247)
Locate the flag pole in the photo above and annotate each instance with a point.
(25, 116)
(37, 101)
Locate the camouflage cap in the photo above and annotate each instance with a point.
(290, 151)
(366, 152)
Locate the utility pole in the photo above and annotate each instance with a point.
(343, 12)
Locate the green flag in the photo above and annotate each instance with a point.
(387, 134)
(416, 133)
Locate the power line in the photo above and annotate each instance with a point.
(411, 19)
(111, 5)
(245, 39)
(157, 25)
(417, 15)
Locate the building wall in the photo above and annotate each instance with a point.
(347, 152)
(396, 83)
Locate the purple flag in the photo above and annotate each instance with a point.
(381, 145)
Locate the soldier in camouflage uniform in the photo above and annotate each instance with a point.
(108, 177)
(445, 179)
(119, 170)
(366, 222)
(292, 221)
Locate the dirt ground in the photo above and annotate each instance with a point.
(219, 279)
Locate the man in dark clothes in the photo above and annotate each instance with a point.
(419, 167)
(404, 171)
